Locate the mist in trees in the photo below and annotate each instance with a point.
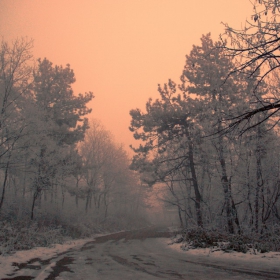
(56, 166)
(209, 143)
(213, 177)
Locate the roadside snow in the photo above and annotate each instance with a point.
(43, 253)
(261, 260)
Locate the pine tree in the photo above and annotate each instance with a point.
(205, 76)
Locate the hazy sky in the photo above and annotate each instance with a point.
(119, 49)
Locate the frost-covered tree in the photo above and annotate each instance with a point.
(256, 49)
(15, 77)
(167, 132)
(59, 124)
(108, 186)
(60, 107)
(204, 75)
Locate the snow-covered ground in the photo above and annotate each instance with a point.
(270, 257)
(253, 257)
(266, 261)
(43, 253)
(254, 260)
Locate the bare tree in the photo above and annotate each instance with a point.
(15, 75)
(256, 49)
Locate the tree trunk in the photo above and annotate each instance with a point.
(4, 184)
(259, 184)
(226, 188)
(88, 200)
(250, 208)
(35, 195)
(194, 181)
(180, 217)
(77, 189)
(106, 206)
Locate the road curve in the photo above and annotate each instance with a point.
(140, 254)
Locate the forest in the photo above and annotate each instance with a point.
(209, 144)
(61, 174)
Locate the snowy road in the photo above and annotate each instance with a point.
(142, 255)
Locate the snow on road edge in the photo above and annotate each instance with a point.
(269, 260)
(43, 253)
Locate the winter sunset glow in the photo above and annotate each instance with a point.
(119, 50)
(139, 139)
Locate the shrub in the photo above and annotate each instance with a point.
(205, 238)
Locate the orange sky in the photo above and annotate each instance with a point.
(119, 49)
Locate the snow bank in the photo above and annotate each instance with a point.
(43, 253)
(269, 259)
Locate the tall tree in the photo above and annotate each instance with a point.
(59, 125)
(204, 75)
(15, 76)
(167, 124)
(109, 185)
